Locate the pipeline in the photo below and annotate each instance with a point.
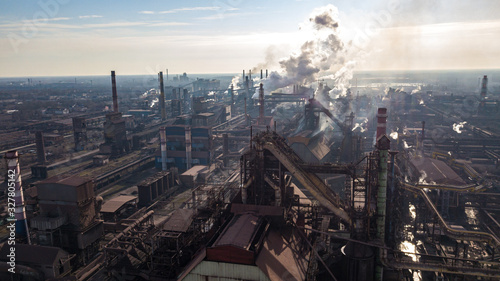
(454, 233)
(277, 190)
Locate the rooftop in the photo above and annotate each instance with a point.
(116, 203)
(74, 180)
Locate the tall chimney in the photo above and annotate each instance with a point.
(244, 75)
(261, 104)
(167, 74)
(381, 122)
(188, 148)
(266, 73)
(163, 148)
(14, 184)
(484, 87)
(261, 75)
(115, 95)
(162, 99)
(40, 148)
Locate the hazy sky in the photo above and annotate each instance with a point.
(69, 37)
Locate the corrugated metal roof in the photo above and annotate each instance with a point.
(114, 204)
(436, 171)
(283, 257)
(179, 221)
(74, 180)
(240, 231)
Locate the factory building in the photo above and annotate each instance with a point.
(187, 146)
(68, 216)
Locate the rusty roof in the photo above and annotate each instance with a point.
(179, 221)
(74, 180)
(283, 256)
(116, 203)
(240, 231)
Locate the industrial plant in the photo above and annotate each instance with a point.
(223, 179)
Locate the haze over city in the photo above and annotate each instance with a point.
(72, 38)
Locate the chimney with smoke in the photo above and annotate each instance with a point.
(115, 95)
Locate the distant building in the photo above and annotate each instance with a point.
(206, 84)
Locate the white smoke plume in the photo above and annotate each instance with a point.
(327, 52)
(457, 127)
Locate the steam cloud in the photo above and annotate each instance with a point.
(326, 52)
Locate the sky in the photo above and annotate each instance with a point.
(72, 38)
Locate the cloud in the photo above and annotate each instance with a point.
(89, 16)
(58, 19)
(186, 9)
(169, 24)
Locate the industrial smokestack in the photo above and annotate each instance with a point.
(14, 184)
(163, 148)
(115, 95)
(261, 104)
(188, 148)
(243, 75)
(162, 99)
(40, 148)
(266, 73)
(484, 87)
(167, 74)
(261, 74)
(381, 122)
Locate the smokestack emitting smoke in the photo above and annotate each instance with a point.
(40, 148)
(14, 183)
(381, 122)
(162, 99)
(115, 95)
(327, 52)
(163, 148)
